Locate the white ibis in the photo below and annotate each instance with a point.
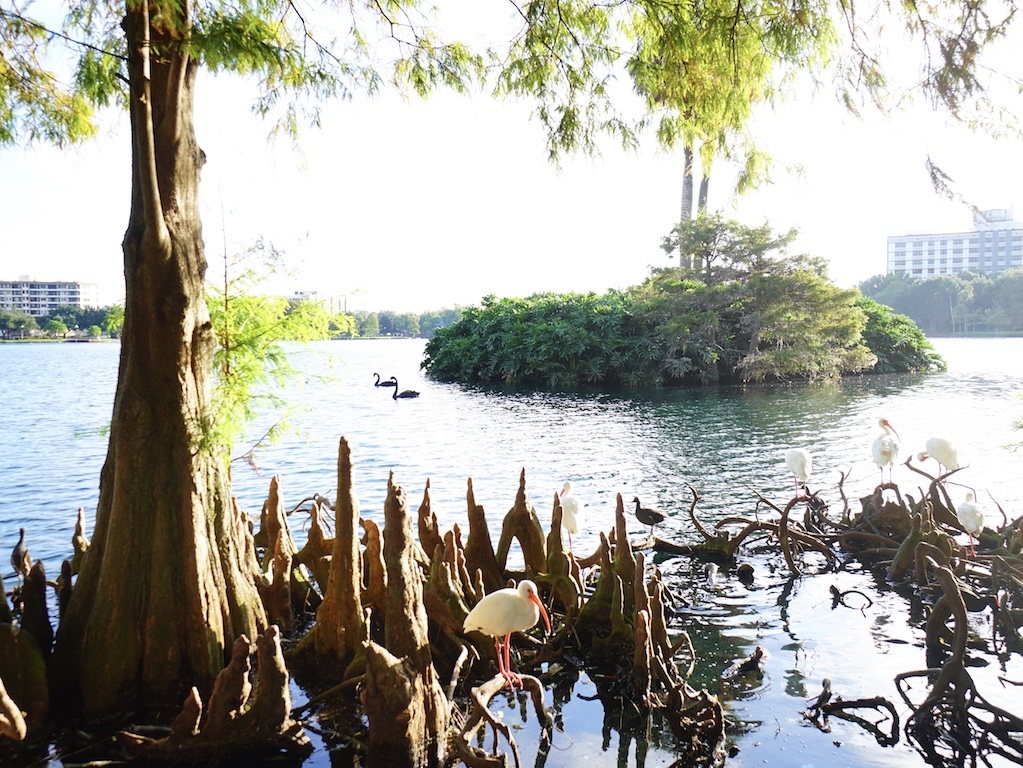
(406, 393)
(942, 451)
(971, 518)
(571, 511)
(886, 448)
(800, 465)
(20, 558)
(505, 611)
(648, 516)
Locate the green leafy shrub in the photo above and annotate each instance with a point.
(549, 340)
(898, 343)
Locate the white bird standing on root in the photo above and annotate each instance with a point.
(971, 518)
(886, 448)
(505, 611)
(800, 465)
(943, 452)
(571, 511)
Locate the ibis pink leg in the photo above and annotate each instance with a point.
(510, 676)
(504, 661)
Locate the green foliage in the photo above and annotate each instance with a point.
(407, 324)
(343, 326)
(15, 324)
(700, 90)
(250, 361)
(431, 320)
(368, 324)
(114, 320)
(562, 59)
(397, 324)
(34, 104)
(547, 340)
(898, 343)
(800, 324)
(295, 55)
(95, 332)
(55, 328)
(82, 317)
(691, 324)
(747, 311)
(702, 67)
(720, 249)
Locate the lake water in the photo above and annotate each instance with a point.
(726, 443)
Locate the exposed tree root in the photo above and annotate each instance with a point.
(388, 633)
(235, 722)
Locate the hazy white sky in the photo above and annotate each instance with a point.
(413, 206)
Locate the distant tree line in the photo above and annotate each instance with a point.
(406, 324)
(965, 303)
(99, 321)
(63, 321)
(739, 309)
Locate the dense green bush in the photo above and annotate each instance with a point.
(553, 340)
(898, 343)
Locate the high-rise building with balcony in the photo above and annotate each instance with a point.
(38, 297)
(993, 245)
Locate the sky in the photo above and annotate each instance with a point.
(411, 206)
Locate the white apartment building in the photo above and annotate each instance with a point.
(37, 298)
(993, 245)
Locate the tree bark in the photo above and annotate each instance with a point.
(686, 213)
(340, 628)
(522, 523)
(701, 203)
(479, 550)
(163, 590)
(407, 711)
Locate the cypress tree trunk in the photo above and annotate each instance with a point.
(162, 592)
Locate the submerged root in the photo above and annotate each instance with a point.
(481, 715)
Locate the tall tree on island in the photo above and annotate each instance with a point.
(163, 590)
(700, 94)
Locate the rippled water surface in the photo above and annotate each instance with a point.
(724, 443)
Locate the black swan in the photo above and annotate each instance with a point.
(379, 383)
(393, 382)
